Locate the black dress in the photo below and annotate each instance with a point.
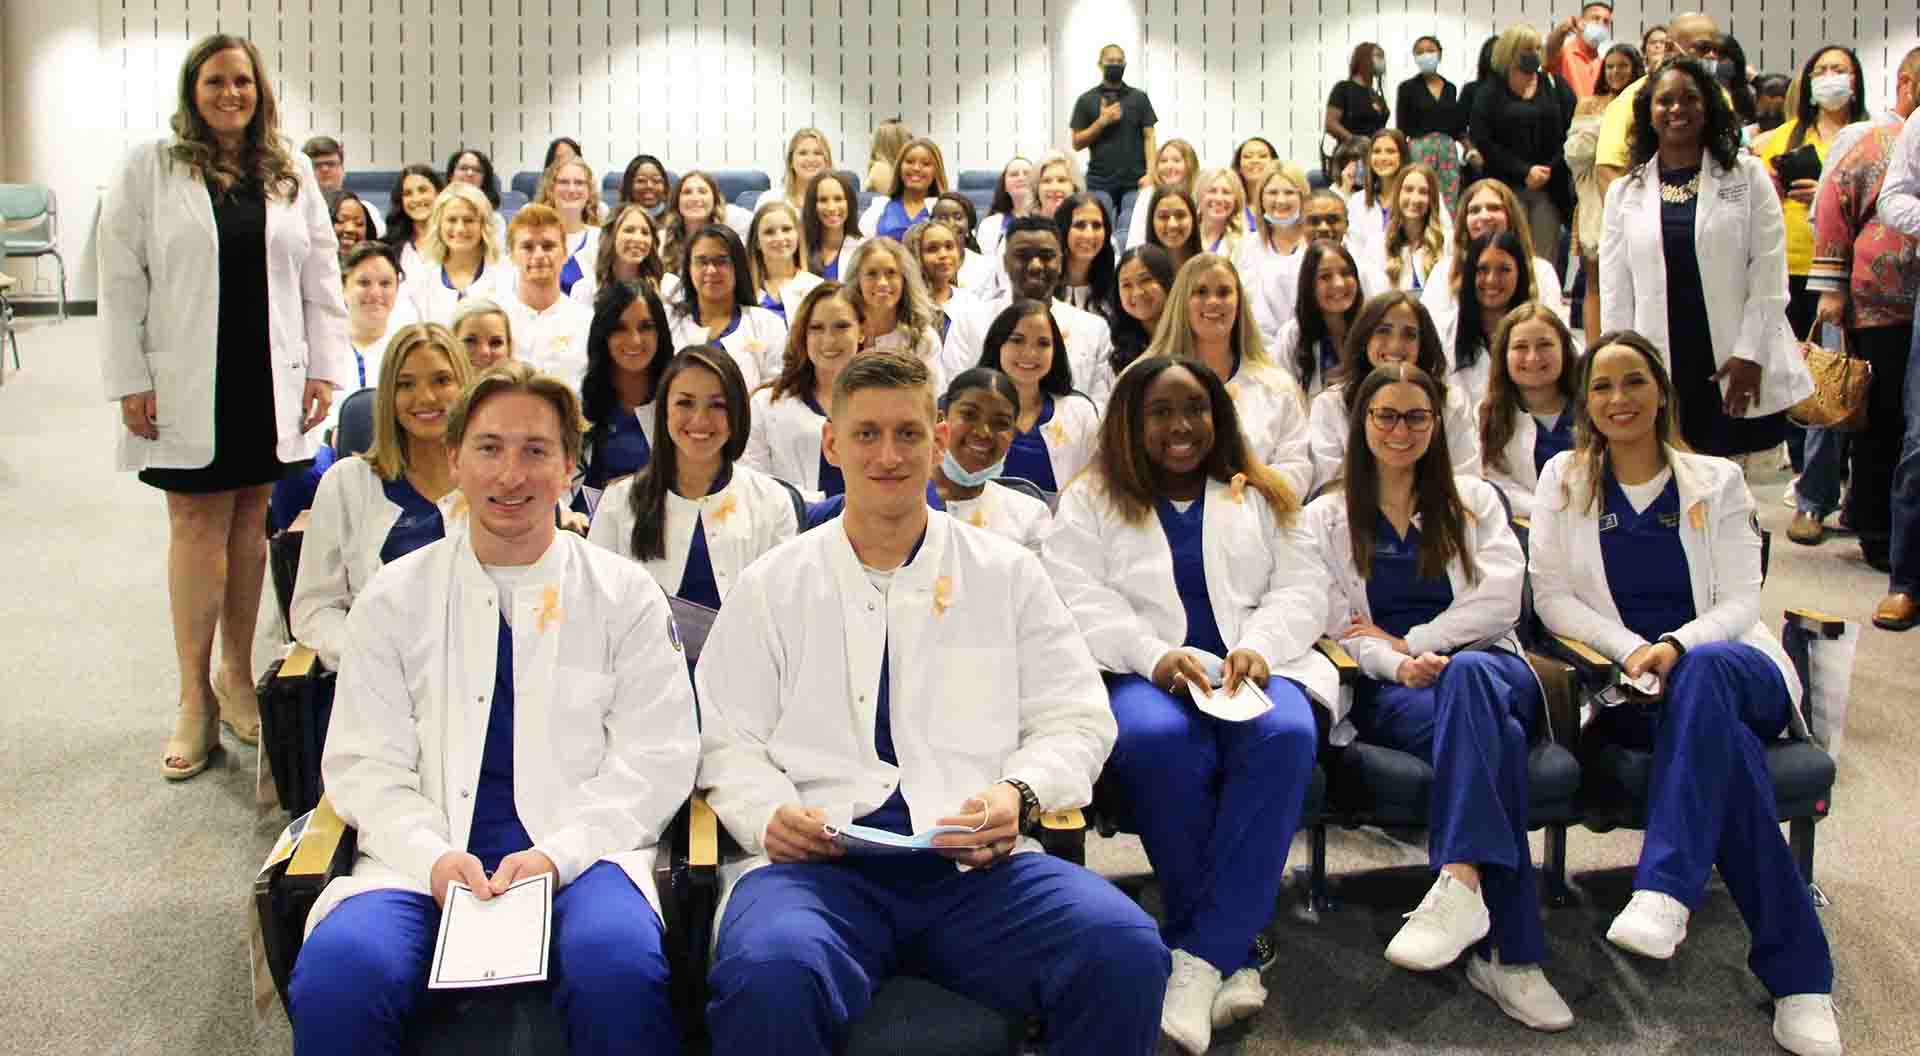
(1704, 421)
(1362, 110)
(245, 431)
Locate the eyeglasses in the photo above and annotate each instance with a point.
(1389, 419)
(711, 263)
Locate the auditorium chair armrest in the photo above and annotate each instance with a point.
(300, 521)
(1816, 623)
(300, 662)
(1589, 663)
(1559, 699)
(1343, 661)
(326, 849)
(703, 834)
(1063, 820)
(1522, 523)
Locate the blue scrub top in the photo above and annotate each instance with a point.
(419, 522)
(1185, 538)
(1027, 457)
(832, 270)
(1550, 442)
(1399, 598)
(497, 831)
(832, 482)
(697, 582)
(461, 295)
(571, 272)
(622, 449)
(1645, 562)
(891, 815)
(894, 220)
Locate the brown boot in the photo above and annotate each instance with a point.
(1896, 612)
(1806, 529)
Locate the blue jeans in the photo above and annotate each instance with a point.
(1823, 463)
(1904, 550)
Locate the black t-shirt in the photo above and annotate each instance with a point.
(1362, 110)
(1120, 154)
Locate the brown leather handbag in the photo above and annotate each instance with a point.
(1841, 382)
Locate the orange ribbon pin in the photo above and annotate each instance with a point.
(1697, 516)
(549, 611)
(1237, 488)
(723, 509)
(942, 595)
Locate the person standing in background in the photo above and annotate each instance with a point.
(1113, 122)
(1574, 47)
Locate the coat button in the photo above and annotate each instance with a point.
(466, 793)
(869, 606)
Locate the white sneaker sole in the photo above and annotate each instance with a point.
(1191, 1046)
(1632, 943)
(1402, 961)
(1475, 980)
(1227, 1013)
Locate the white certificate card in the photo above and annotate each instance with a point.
(497, 942)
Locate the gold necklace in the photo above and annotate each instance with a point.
(1680, 193)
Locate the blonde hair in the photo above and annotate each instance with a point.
(593, 214)
(1509, 44)
(1191, 156)
(1433, 236)
(1516, 223)
(266, 157)
(756, 258)
(1174, 335)
(388, 455)
(474, 307)
(937, 187)
(433, 248)
(1052, 159)
(1294, 176)
(791, 185)
(1236, 220)
(916, 312)
(515, 376)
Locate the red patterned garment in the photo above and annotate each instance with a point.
(1852, 250)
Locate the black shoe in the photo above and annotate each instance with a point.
(1876, 557)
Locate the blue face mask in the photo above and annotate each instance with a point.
(1284, 221)
(1427, 61)
(1598, 36)
(959, 474)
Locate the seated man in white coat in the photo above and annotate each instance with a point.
(512, 702)
(549, 328)
(993, 713)
(1032, 257)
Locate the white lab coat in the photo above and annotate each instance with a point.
(1285, 351)
(1327, 422)
(432, 300)
(758, 345)
(976, 268)
(1442, 302)
(989, 680)
(926, 350)
(1275, 289)
(1262, 579)
(1722, 544)
(553, 340)
(843, 260)
(1004, 511)
(604, 741)
(785, 440)
(876, 209)
(159, 304)
(1089, 343)
(346, 529)
(791, 293)
(1519, 479)
(1072, 437)
(1273, 418)
(1739, 233)
(1487, 607)
(751, 515)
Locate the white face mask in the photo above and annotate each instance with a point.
(1597, 36)
(1427, 61)
(1831, 91)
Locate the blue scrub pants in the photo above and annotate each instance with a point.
(1472, 725)
(803, 947)
(1216, 805)
(1710, 802)
(362, 975)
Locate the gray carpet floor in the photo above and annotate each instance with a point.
(126, 932)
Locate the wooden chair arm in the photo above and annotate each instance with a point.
(703, 834)
(1063, 820)
(1343, 661)
(1592, 666)
(300, 521)
(300, 663)
(1816, 623)
(326, 841)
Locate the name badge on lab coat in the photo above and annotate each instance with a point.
(1732, 193)
(1609, 521)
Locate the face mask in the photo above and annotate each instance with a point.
(1529, 62)
(1114, 71)
(1831, 91)
(959, 475)
(1284, 221)
(1379, 65)
(1427, 61)
(1596, 35)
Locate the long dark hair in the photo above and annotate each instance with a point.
(1471, 332)
(648, 500)
(1745, 106)
(967, 241)
(812, 230)
(1192, 247)
(1003, 198)
(633, 167)
(981, 378)
(1502, 406)
(1058, 381)
(265, 160)
(1130, 338)
(797, 376)
(1722, 134)
(399, 225)
(1807, 112)
(1120, 460)
(674, 226)
(687, 299)
(651, 270)
(599, 396)
(553, 149)
(1443, 533)
(1354, 363)
(1100, 273)
(1637, 61)
(1590, 451)
(1371, 180)
(1306, 305)
(489, 180)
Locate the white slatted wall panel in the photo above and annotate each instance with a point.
(721, 83)
(718, 83)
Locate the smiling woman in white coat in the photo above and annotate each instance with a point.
(1527, 417)
(226, 335)
(1391, 328)
(513, 704)
(696, 517)
(1651, 555)
(1693, 255)
(981, 408)
(714, 303)
(1057, 427)
(375, 508)
(1425, 580)
(790, 411)
(1182, 558)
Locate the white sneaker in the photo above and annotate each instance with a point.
(1789, 497)
(1187, 1016)
(1803, 1024)
(1451, 918)
(1652, 925)
(1522, 991)
(1240, 997)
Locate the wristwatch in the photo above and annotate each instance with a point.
(1679, 650)
(1029, 803)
